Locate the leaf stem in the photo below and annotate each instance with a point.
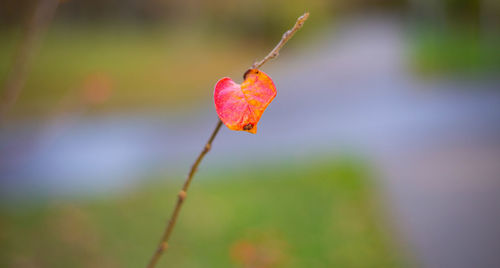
(163, 245)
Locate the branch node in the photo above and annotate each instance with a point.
(182, 195)
(207, 147)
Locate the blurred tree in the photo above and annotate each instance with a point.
(13, 12)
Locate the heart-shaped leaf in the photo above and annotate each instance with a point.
(240, 106)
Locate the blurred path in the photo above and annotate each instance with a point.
(437, 142)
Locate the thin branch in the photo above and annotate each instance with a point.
(14, 83)
(286, 36)
(180, 199)
(163, 245)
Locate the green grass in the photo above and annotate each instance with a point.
(456, 51)
(134, 67)
(317, 214)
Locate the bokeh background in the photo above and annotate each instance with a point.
(382, 148)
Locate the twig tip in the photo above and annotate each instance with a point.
(303, 17)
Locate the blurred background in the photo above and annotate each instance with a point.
(382, 148)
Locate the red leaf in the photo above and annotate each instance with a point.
(240, 106)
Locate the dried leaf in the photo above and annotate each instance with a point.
(240, 106)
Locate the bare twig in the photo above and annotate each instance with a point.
(14, 83)
(180, 199)
(163, 245)
(286, 36)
